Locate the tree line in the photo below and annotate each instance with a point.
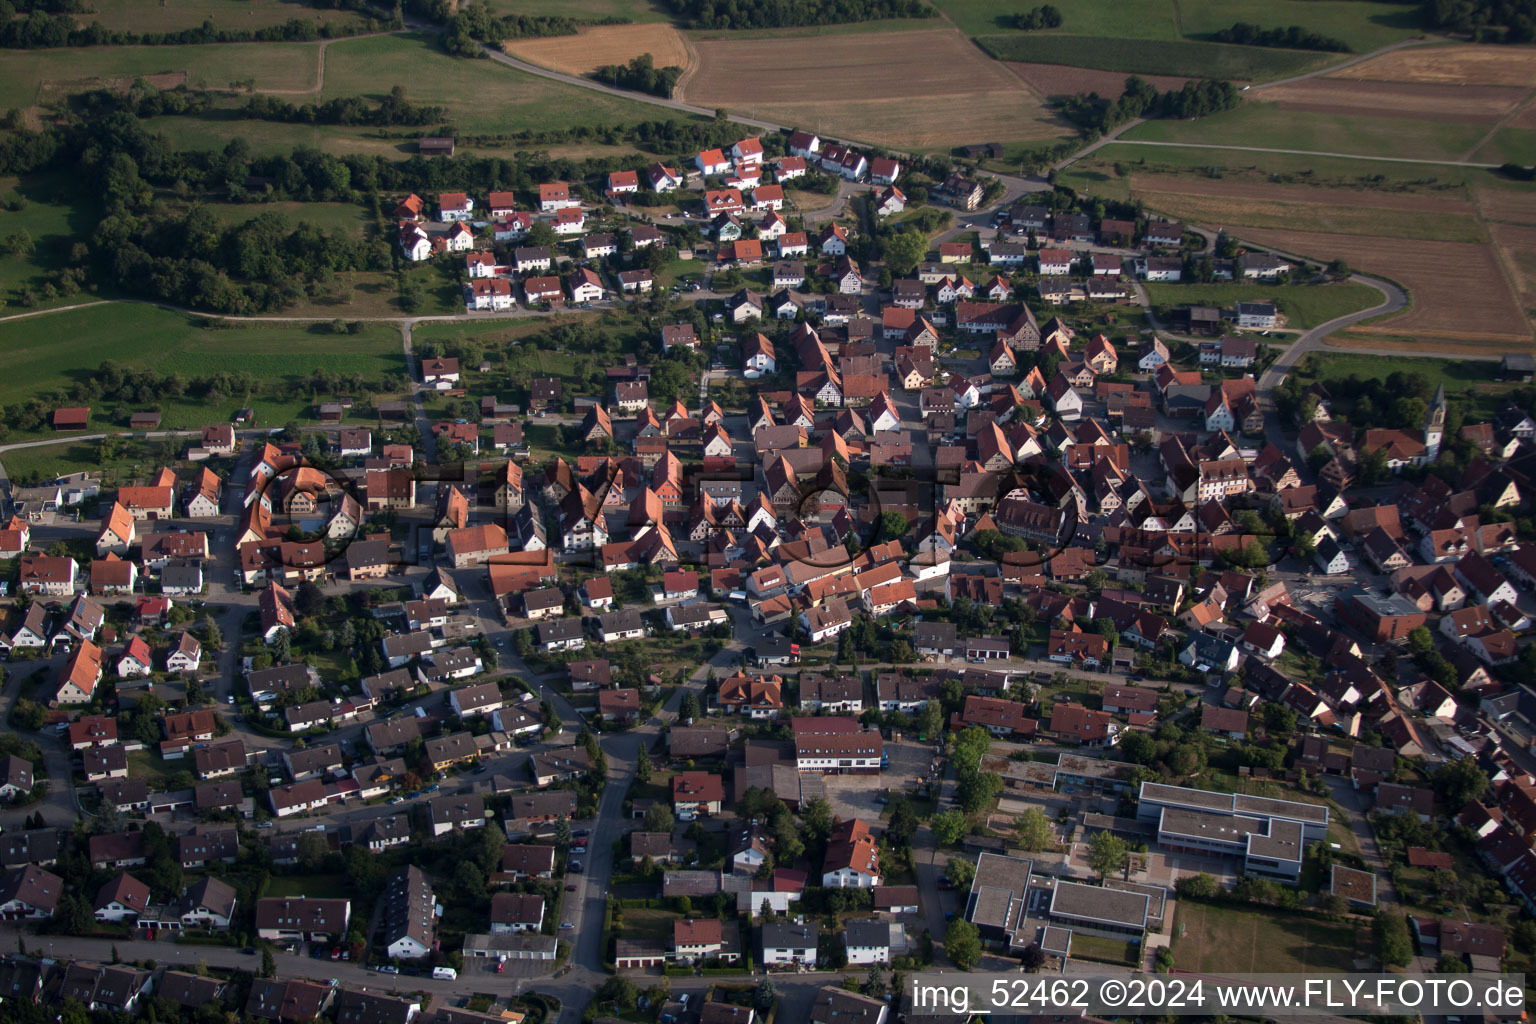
(1198, 98)
(25, 26)
(468, 26)
(734, 14)
(1294, 38)
(1486, 21)
(641, 75)
(394, 109)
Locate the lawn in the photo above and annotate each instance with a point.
(50, 352)
(136, 461)
(1264, 124)
(1112, 951)
(1186, 57)
(1364, 26)
(319, 886)
(654, 926)
(1306, 306)
(1212, 939)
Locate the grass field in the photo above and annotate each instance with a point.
(320, 886)
(350, 218)
(1508, 146)
(1230, 939)
(1364, 26)
(48, 353)
(1184, 57)
(1305, 306)
(482, 95)
(230, 15)
(634, 10)
(56, 215)
(913, 90)
(1265, 124)
(33, 76)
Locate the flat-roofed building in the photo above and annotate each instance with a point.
(999, 898)
(1098, 910)
(1268, 834)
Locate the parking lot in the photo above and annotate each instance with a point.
(859, 795)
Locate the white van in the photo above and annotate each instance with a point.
(445, 974)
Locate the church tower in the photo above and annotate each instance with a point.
(1434, 424)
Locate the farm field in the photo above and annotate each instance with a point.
(604, 44)
(1364, 26)
(1109, 170)
(1059, 80)
(1424, 101)
(1445, 279)
(1265, 124)
(1304, 306)
(230, 15)
(1330, 210)
(51, 352)
(44, 76)
(1183, 57)
(1456, 64)
(1508, 145)
(910, 90)
(1518, 244)
(1231, 939)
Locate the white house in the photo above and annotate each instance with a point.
(790, 942)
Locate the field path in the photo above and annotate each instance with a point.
(679, 90)
(315, 89)
(1270, 149)
(1514, 112)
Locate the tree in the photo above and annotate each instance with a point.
(949, 827)
(817, 816)
(1106, 854)
(312, 850)
(268, 964)
(890, 526)
(960, 872)
(930, 720)
(690, 709)
(1198, 887)
(1034, 829)
(1460, 782)
(1421, 640)
(904, 250)
(620, 991)
(643, 765)
(962, 941)
(1392, 942)
(658, 818)
(874, 982)
(903, 824)
(1033, 958)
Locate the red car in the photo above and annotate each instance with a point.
(336, 953)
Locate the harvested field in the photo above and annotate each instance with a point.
(1518, 243)
(910, 90)
(1449, 65)
(603, 44)
(1452, 199)
(1458, 288)
(1061, 80)
(1506, 205)
(1416, 100)
(1341, 218)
